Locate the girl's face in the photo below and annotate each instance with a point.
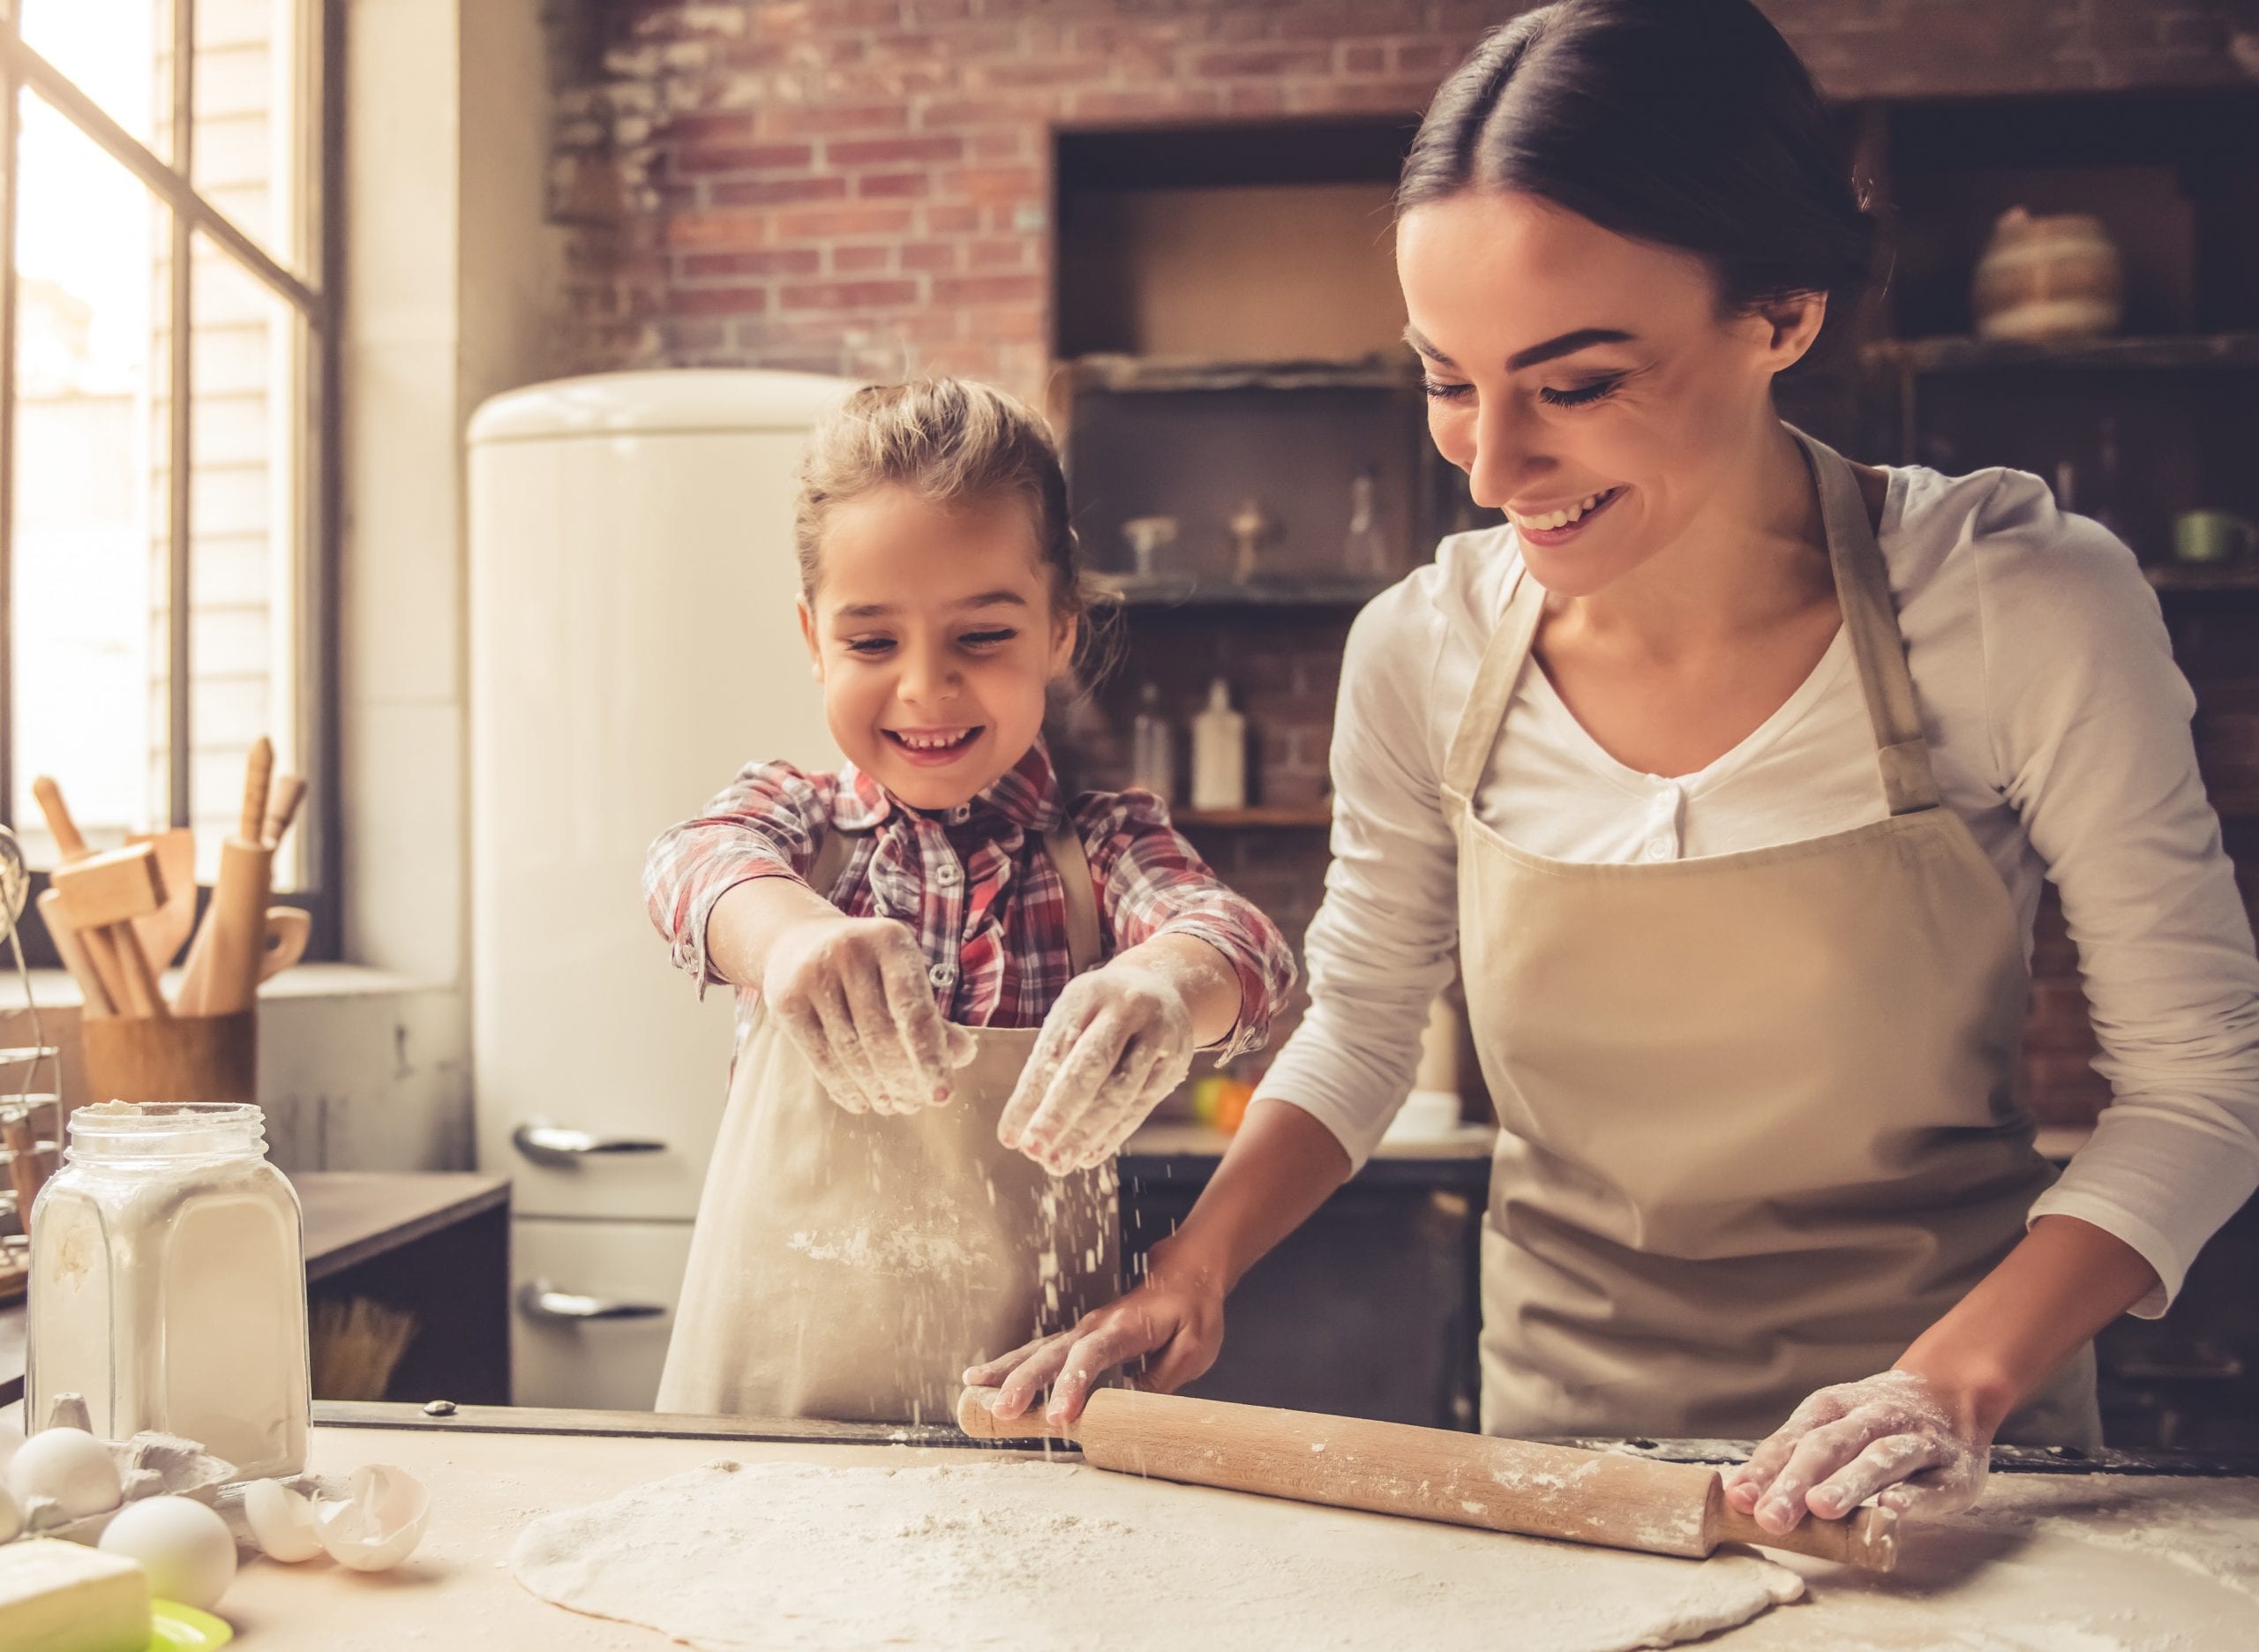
(1587, 383)
(933, 634)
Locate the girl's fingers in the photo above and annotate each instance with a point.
(1074, 1087)
(1033, 1375)
(1885, 1462)
(1051, 1047)
(988, 1373)
(830, 1054)
(917, 1022)
(1128, 1096)
(1819, 1454)
(1755, 1477)
(878, 1037)
(1122, 1337)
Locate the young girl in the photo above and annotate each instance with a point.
(958, 990)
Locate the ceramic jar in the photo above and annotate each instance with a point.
(2057, 276)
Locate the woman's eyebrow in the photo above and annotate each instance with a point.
(1565, 344)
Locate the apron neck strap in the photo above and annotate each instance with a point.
(1862, 591)
(1086, 945)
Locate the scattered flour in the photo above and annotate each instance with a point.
(795, 1558)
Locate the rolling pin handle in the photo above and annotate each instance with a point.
(1867, 1538)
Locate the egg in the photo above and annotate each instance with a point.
(378, 1527)
(183, 1546)
(281, 1522)
(69, 1465)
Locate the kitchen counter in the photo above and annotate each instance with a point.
(2102, 1562)
(353, 1221)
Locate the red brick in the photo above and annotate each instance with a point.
(717, 229)
(930, 256)
(999, 145)
(832, 223)
(860, 260)
(1045, 72)
(731, 126)
(793, 120)
(847, 294)
(769, 261)
(716, 300)
(876, 152)
(987, 290)
(1145, 103)
(776, 191)
(1271, 62)
(952, 219)
(1363, 59)
(1425, 57)
(702, 158)
(995, 183)
(893, 185)
(1002, 254)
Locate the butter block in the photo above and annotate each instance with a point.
(65, 1597)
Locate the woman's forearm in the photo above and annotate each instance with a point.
(1281, 1167)
(2065, 1281)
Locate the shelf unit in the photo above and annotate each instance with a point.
(1290, 816)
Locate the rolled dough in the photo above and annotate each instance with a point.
(782, 1556)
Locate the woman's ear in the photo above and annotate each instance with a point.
(807, 635)
(1792, 324)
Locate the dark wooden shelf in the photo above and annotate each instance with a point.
(1136, 374)
(1285, 814)
(1187, 590)
(1956, 354)
(2174, 576)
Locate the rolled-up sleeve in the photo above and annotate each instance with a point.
(1153, 883)
(765, 823)
(2090, 720)
(1380, 948)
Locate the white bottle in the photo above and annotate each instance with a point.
(1152, 747)
(1220, 753)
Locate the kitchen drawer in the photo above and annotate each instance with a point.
(591, 1306)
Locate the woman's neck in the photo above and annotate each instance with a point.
(1755, 557)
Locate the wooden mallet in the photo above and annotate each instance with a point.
(1430, 1473)
(103, 895)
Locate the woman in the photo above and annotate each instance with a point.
(1734, 770)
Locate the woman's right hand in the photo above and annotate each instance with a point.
(852, 994)
(1176, 1317)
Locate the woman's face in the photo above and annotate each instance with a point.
(933, 633)
(1587, 383)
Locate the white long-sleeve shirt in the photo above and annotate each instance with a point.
(2057, 726)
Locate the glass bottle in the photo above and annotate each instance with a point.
(1152, 747)
(1364, 553)
(167, 1284)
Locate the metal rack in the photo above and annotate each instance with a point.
(24, 1107)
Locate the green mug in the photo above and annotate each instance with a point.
(2212, 537)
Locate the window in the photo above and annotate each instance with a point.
(167, 373)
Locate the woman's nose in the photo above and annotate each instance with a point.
(1502, 461)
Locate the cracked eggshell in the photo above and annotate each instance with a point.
(72, 1467)
(379, 1525)
(282, 1523)
(183, 1545)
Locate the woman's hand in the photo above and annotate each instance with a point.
(852, 994)
(1119, 1039)
(1176, 1317)
(1923, 1448)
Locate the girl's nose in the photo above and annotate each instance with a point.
(927, 677)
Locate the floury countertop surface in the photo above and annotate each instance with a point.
(2083, 1563)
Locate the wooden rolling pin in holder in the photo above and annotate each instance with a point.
(1430, 1473)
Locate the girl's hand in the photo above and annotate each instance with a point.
(1897, 1433)
(851, 992)
(1119, 1039)
(1176, 1315)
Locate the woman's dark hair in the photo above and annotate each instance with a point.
(1688, 123)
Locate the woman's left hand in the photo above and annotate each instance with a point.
(1119, 1039)
(1924, 1449)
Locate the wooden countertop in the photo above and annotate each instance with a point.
(2045, 1557)
(350, 1216)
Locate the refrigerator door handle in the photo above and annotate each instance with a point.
(561, 1144)
(537, 1299)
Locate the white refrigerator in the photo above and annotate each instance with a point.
(633, 643)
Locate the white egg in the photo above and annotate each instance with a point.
(69, 1465)
(281, 1521)
(183, 1546)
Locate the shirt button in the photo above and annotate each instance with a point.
(942, 974)
(961, 814)
(947, 875)
(1658, 848)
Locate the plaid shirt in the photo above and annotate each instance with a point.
(985, 901)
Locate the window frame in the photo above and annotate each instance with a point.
(314, 298)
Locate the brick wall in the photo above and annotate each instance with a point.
(862, 187)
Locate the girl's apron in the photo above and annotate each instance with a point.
(849, 1265)
(1760, 1117)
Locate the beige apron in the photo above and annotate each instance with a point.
(850, 1266)
(1761, 1127)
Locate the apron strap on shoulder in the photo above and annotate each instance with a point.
(831, 858)
(1085, 949)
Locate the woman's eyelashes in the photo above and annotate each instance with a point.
(1575, 396)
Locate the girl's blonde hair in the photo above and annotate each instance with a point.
(952, 442)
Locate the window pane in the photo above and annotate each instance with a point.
(247, 157)
(117, 52)
(90, 506)
(245, 539)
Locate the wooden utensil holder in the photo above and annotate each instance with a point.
(188, 1058)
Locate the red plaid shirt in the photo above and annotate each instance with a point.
(986, 902)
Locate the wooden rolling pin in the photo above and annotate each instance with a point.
(1430, 1473)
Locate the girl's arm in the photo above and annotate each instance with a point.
(764, 826)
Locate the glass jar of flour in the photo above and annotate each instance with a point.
(169, 1283)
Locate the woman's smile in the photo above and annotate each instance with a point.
(1558, 525)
